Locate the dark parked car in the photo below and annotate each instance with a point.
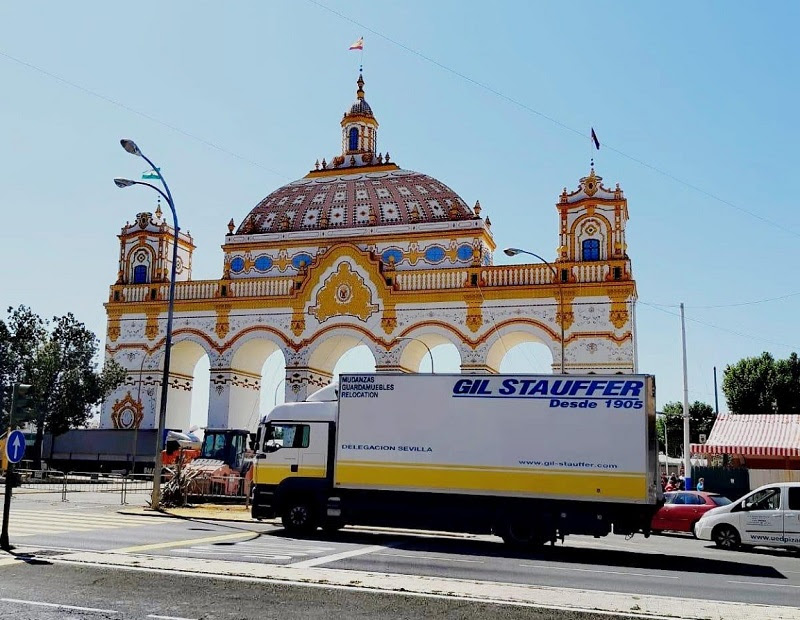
(682, 509)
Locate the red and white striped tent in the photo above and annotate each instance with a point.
(753, 435)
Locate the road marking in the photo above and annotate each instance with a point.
(33, 523)
(592, 570)
(184, 543)
(325, 559)
(267, 556)
(431, 557)
(771, 585)
(59, 606)
(168, 617)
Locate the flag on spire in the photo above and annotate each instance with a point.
(595, 140)
(153, 173)
(358, 45)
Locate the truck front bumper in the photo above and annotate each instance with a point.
(262, 501)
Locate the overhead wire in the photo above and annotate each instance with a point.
(149, 117)
(724, 329)
(551, 119)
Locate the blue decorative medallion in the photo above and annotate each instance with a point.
(464, 252)
(237, 264)
(301, 260)
(263, 263)
(434, 254)
(392, 253)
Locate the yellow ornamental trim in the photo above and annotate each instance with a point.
(151, 327)
(344, 293)
(223, 322)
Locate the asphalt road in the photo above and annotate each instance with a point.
(42, 591)
(672, 566)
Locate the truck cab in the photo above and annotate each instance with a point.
(766, 517)
(291, 473)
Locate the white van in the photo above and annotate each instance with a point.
(767, 517)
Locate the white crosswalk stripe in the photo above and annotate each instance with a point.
(264, 549)
(33, 522)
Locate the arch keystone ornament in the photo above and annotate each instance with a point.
(344, 293)
(360, 251)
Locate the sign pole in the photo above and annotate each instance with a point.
(4, 542)
(14, 449)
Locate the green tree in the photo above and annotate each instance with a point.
(763, 385)
(60, 365)
(786, 390)
(701, 419)
(21, 335)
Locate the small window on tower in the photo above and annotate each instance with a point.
(140, 274)
(353, 145)
(591, 249)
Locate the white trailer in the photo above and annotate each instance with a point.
(528, 457)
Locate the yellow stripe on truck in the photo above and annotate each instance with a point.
(275, 473)
(492, 480)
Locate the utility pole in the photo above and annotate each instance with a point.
(716, 393)
(687, 461)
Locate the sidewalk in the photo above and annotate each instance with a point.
(216, 512)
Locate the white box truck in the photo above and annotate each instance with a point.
(530, 458)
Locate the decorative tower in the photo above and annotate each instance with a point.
(359, 128)
(592, 226)
(145, 251)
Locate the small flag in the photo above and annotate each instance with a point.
(151, 174)
(358, 45)
(595, 140)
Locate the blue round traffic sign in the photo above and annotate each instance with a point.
(15, 446)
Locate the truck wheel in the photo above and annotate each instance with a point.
(298, 518)
(726, 537)
(521, 535)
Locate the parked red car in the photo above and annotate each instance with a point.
(682, 509)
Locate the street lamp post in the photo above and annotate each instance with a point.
(130, 147)
(514, 252)
(430, 353)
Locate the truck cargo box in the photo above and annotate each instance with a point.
(587, 438)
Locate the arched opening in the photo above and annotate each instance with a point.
(429, 352)
(357, 359)
(184, 369)
(523, 348)
(529, 357)
(273, 382)
(352, 144)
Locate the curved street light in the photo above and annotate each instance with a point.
(422, 342)
(130, 147)
(557, 280)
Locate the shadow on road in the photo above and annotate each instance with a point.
(556, 553)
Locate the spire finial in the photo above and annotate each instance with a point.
(360, 91)
(158, 208)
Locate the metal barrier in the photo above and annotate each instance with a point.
(221, 487)
(54, 481)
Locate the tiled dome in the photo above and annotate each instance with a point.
(361, 107)
(355, 199)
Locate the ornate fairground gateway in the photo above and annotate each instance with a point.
(362, 252)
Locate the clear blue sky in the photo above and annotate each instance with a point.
(691, 101)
